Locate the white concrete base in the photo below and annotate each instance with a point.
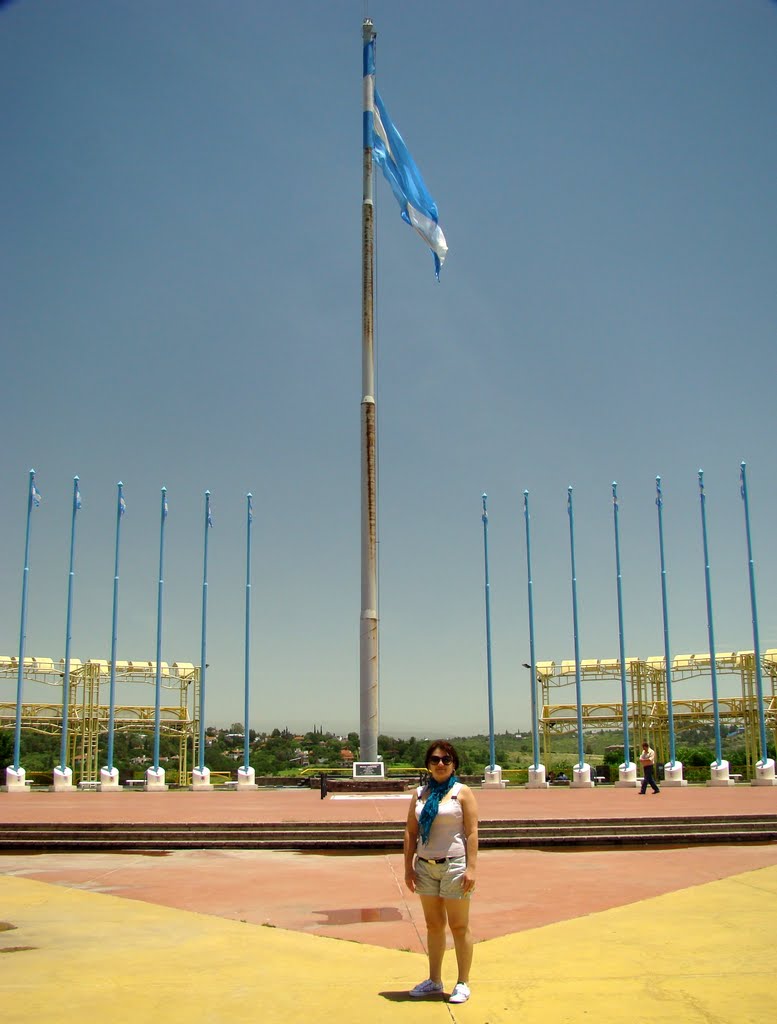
(155, 781)
(627, 775)
(764, 773)
(537, 778)
(673, 774)
(63, 780)
(493, 779)
(246, 779)
(720, 774)
(201, 781)
(581, 777)
(15, 780)
(109, 780)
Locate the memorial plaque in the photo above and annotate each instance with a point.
(368, 769)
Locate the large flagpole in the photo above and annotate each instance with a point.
(155, 776)
(201, 774)
(247, 648)
(383, 145)
(15, 773)
(109, 776)
(368, 633)
(62, 774)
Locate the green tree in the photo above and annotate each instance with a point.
(695, 757)
(6, 748)
(264, 763)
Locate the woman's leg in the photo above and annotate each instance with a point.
(434, 914)
(458, 921)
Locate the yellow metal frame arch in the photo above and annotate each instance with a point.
(647, 709)
(88, 716)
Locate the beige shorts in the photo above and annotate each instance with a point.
(441, 879)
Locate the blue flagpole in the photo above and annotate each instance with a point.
(120, 506)
(203, 651)
(530, 584)
(665, 608)
(17, 739)
(160, 591)
(491, 746)
(710, 629)
(68, 622)
(621, 638)
(578, 689)
(754, 609)
(247, 690)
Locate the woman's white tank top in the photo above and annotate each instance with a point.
(446, 838)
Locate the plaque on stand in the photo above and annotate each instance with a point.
(368, 770)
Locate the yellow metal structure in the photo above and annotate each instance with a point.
(647, 709)
(88, 714)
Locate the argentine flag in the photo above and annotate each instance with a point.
(391, 154)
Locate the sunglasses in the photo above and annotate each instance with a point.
(435, 759)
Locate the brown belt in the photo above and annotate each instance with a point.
(431, 860)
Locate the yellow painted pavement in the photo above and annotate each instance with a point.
(697, 956)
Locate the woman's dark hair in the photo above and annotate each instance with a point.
(447, 748)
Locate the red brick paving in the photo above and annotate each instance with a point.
(289, 805)
(362, 897)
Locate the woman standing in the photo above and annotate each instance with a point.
(441, 850)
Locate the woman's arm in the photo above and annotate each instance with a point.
(410, 844)
(469, 809)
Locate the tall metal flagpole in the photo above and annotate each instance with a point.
(491, 748)
(109, 777)
(720, 767)
(62, 774)
(246, 685)
(627, 764)
(246, 775)
(368, 644)
(15, 774)
(674, 770)
(155, 775)
(530, 587)
(204, 644)
(764, 767)
(581, 773)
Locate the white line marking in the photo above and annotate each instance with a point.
(377, 796)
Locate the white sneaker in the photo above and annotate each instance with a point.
(460, 994)
(426, 988)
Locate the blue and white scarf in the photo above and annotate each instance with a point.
(436, 791)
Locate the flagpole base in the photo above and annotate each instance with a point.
(109, 780)
(15, 780)
(627, 775)
(201, 780)
(493, 778)
(246, 779)
(581, 777)
(155, 781)
(719, 774)
(63, 780)
(673, 775)
(764, 773)
(537, 778)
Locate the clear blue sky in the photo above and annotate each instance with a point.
(180, 306)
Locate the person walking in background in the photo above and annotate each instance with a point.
(648, 759)
(441, 849)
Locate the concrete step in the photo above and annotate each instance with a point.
(494, 824)
(394, 833)
(333, 836)
(130, 844)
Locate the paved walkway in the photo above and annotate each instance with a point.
(307, 805)
(205, 937)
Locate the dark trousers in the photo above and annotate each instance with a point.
(647, 778)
